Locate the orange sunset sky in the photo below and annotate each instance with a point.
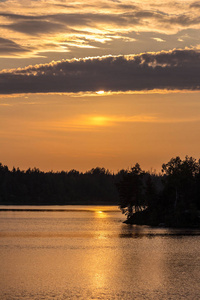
(98, 83)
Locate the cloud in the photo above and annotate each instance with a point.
(41, 22)
(183, 20)
(74, 19)
(8, 47)
(172, 70)
(195, 4)
(122, 18)
(32, 27)
(128, 6)
(158, 39)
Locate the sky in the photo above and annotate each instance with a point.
(87, 84)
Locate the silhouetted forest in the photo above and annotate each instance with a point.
(33, 187)
(171, 198)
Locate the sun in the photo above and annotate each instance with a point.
(100, 92)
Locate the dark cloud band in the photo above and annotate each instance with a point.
(178, 69)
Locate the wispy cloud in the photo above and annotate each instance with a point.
(172, 70)
(38, 25)
(102, 122)
(10, 48)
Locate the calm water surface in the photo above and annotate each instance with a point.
(88, 253)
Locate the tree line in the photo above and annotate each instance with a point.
(171, 197)
(34, 187)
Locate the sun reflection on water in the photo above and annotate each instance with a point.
(100, 214)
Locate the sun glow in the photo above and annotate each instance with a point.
(99, 121)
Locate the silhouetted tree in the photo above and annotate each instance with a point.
(130, 190)
(180, 181)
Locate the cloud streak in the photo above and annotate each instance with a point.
(172, 70)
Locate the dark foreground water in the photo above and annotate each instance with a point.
(88, 253)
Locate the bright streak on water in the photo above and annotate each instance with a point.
(88, 253)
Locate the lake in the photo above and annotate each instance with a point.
(86, 252)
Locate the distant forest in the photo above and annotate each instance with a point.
(34, 187)
(171, 198)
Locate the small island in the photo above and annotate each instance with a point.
(170, 199)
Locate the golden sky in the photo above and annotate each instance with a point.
(98, 83)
